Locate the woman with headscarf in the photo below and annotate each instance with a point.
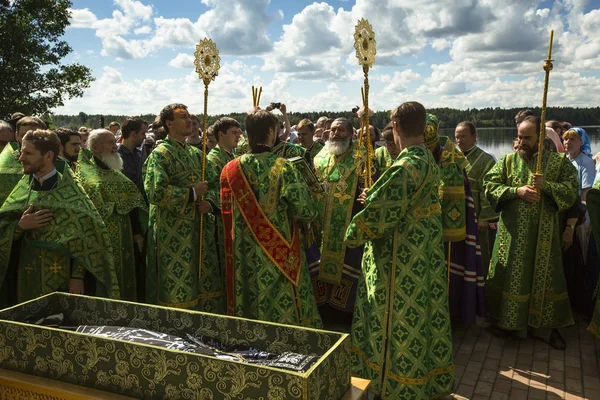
(578, 270)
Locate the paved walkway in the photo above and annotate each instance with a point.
(494, 368)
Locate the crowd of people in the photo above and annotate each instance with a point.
(280, 224)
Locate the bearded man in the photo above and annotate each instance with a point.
(44, 203)
(526, 286)
(70, 145)
(339, 166)
(119, 203)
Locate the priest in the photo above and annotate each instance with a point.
(263, 198)
(401, 338)
(63, 235)
(526, 288)
(172, 180)
(119, 202)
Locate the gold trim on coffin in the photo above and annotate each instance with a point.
(298, 374)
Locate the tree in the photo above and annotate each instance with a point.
(32, 78)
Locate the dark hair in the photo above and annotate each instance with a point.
(388, 132)
(566, 125)
(31, 121)
(223, 125)
(349, 127)
(377, 132)
(555, 125)
(258, 123)
(194, 117)
(535, 120)
(160, 134)
(411, 118)
(44, 141)
(521, 115)
(468, 124)
(130, 125)
(168, 114)
(64, 134)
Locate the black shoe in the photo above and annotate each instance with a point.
(556, 341)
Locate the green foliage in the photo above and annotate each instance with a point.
(449, 118)
(32, 77)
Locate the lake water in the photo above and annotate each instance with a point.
(498, 141)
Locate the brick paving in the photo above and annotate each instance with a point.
(494, 368)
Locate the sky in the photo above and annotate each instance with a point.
(452, 53)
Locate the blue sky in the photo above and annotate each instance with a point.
(454, 53)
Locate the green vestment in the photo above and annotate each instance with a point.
(216, 161)
(315, 149)
(401, 337)
(383, 160)
(593, 206)
(261, 290)
(526, 283)
(452, 192)
(115, 198)
(11, 170)
(480, 163)
(75, 241)
(289, 150)
(337, 206)
(174, 232)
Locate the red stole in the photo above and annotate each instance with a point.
(286, 256)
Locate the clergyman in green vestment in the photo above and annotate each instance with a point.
(172, 180)
(480, 163)
(401, 337)
(263, 197)
(339, 166)
(227, 132)
(526, 286)
(119, 202)
(62, 234)
(11, 170)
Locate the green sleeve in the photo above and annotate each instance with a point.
(564, 191)
(77, 270)
(496, 191)
(295, 192)
(158, 187)
(386, 205)
(213, 176)
(487, 212)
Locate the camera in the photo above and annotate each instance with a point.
(275, 105)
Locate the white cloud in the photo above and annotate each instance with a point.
(182, 61)
(142, 30)
(238, 27)
(441, 44)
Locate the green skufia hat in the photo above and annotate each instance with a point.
(432, 137)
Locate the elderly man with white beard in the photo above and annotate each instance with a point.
(118, 201)
(339, 166)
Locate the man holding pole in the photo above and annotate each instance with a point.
(172, 180)
(526, 286)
